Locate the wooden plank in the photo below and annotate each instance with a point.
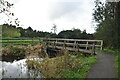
(74, 40)
(82, 45)
(75, 43)
(71, 49)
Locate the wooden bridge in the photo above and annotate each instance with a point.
(77, 45)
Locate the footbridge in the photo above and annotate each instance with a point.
(76, 45)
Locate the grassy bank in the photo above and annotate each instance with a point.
(66, 66)
(111, 51)
(19, 41)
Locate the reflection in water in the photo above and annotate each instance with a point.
(18, 69)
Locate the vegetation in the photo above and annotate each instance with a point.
(106, 15)
(112, 51)
(66, 66)
(10, 31)
(20, 41)
(117, 64)
(13, 31)
(75, 34)
(12, 52)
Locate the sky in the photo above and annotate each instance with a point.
(65, 14)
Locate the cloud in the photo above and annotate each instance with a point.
(58, 9)
(66, 14)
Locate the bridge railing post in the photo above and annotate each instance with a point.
(93, 48)
(64, 46)
(74, 45)
(55, 43)
(86, 45)
(101, 45)
(77, 47)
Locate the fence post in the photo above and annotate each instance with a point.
(77, 47)
(101, 45)
(87, 45)
(93, 48)
(74, 45)
(64, 46)
(56, 43)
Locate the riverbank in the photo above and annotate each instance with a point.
(66, 66)
(10, 53)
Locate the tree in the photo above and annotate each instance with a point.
(5, 7)
(84, 35)
(105, 17)
(54, 28)
(9, 31)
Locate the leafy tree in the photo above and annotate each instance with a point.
(9, 31)
(105, 17)
(75, 34)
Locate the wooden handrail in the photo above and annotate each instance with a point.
(73, 39)
(66, 43)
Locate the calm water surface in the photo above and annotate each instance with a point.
(18, 69)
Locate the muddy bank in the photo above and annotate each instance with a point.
(11, 53)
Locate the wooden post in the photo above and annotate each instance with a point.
(64, 45)
(77, 47)
(49, 42)
(74, 46)
(93, 48)
(87, 45)
(101, 45)
(55, 43)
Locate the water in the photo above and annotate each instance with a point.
(18, 69)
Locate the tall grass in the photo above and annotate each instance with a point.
(66, 66)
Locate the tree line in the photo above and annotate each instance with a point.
(13, 31)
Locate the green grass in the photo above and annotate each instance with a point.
(19, 41)
(112, 51)
(67, 66)
(117, 64)
(81, 72)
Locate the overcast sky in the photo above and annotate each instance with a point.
(66, 14)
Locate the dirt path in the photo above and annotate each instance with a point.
(104, 68)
